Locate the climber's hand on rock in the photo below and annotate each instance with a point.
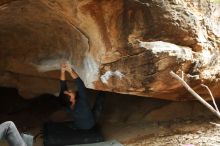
(68, 67)
(62, 67)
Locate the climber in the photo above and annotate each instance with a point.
(77, 102)
(9, 131)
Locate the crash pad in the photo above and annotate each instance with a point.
(65, 133)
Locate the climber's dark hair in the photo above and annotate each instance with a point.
(65, 99)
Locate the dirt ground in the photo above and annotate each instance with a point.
(29, 117)
(188, 133)
(173, 133)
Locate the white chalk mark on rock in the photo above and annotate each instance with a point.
(106, 76)
(89, 71)
(118, 74)
(109, 74)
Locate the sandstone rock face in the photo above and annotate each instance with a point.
(115, 45)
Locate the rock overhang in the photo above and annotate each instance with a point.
(126, 47)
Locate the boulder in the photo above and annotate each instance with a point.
(120, 46)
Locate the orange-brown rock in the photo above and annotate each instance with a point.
(115, 45)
